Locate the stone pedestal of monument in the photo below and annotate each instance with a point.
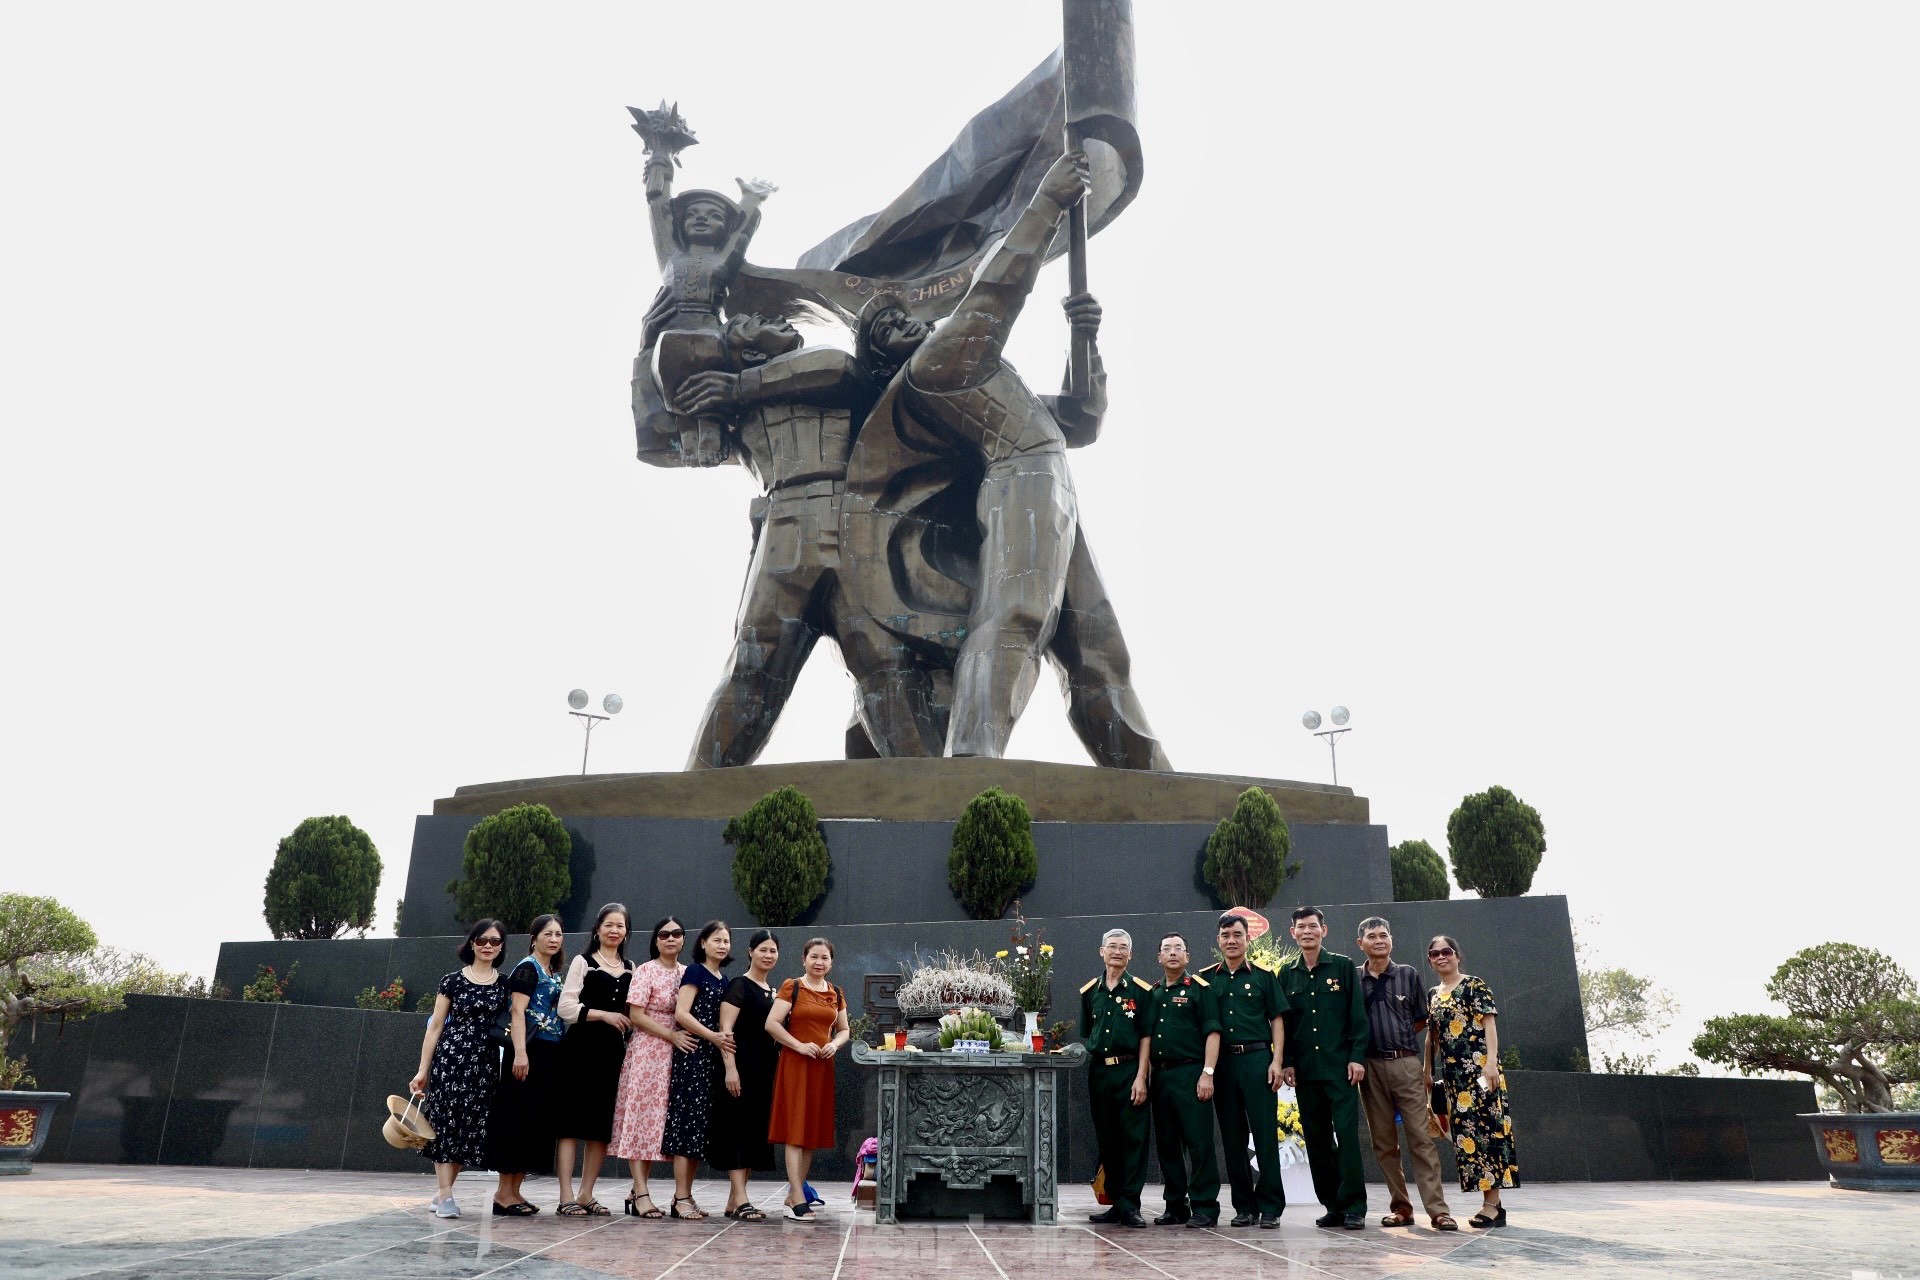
(958, 1132)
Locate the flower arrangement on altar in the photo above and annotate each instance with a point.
(1027, 964)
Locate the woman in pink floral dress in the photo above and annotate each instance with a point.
(640, 1108)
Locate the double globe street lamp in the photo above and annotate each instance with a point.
(578, 700)
(1339, 716)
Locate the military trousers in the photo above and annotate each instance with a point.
(1330, 1122)
(1119, 1130)
(1245, 1104)
(1183, 1135)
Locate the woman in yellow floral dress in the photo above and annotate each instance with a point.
(1462, 1037)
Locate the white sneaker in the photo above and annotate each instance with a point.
(446, 1209)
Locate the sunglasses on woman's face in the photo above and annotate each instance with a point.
(1439, 953)
(486, 942)
(665, 934)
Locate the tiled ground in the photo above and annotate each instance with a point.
(64, 1222)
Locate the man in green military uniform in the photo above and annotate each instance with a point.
(1113, 1022)
(1185, 1027)
(1253, 1039)
(1325, 1062)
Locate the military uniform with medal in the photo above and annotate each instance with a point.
(1113, 1022)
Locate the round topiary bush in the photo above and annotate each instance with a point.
(1495, 840)
(323, 882)
(780, 860)
(993, 859)
(1246, 859)
(1418, 873)
(514, 867)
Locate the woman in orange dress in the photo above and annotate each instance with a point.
(809, 1021)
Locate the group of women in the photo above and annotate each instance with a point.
(554, 1061)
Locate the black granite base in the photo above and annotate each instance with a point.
(1522, 946)
(885, 871)
(175, 1081)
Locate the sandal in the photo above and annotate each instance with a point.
(596, 1209)
(747, 1213)
(1444, 1222)
(572, 1209)
(1480, 1220)
(693, 1214)
(1397, 1220)
(652, 1210)
(519, 1210)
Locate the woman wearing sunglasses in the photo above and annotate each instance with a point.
(640, 1112)
(1463, 1057)
(457, 1064)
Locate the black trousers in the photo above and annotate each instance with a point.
(1120, 1131)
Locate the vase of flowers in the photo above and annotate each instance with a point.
(1027, 964)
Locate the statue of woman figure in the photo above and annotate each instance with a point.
(700, 238)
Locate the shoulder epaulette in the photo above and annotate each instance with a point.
(1089, 986)
(1142, 983)
(1197, 978)
(1210, 969)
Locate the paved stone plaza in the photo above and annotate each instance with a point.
(69, 1221)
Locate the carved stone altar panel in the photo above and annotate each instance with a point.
(970, 1109)
(967, 1120)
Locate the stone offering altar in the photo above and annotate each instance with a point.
(956, 1129)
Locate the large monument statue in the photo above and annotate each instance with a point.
(918, 508)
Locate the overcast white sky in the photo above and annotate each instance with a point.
(1537, 380)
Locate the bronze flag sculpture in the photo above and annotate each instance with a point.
(918, 509)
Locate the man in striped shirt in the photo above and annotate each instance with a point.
(1396, 1077)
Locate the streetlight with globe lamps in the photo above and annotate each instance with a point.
(611, 704)
(1339, 716)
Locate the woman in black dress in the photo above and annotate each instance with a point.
(520, 1129)
(457, 1062)
(594, 1001)
(737, 1134)
(696, 1071)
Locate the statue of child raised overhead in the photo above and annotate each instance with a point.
(700, 238)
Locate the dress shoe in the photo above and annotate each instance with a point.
(1172, 1218)
(1201, 1220)
(1132, 1218)
(1244, 1219)
(1111, 1215)
(1333, 1220)
(1354, 1222)
(1269, 1221)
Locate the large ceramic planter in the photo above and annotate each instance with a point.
(1868, 1150)
(26, 1117)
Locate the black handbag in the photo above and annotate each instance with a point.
(500, 1034)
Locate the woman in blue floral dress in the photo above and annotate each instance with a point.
(1463, 1056)
(457, 1062)
(520, 1131)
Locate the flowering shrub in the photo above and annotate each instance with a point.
(392, 997)
(1027, 964)
(268, 985)
(949, 980)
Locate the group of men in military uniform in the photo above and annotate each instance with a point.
(1196, 1049)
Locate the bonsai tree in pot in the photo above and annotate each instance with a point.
(1853, 1024)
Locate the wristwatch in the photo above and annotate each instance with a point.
(1206, 1071)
